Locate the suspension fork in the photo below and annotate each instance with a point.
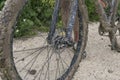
(54, 21)
(71, 20)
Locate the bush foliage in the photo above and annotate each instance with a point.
(37, 14)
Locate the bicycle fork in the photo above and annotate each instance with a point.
(54, 21)
(71, 20)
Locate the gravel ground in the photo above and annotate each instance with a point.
(101, 63)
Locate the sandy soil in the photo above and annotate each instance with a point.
(101, 63)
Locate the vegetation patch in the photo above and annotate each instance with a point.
(37, 15)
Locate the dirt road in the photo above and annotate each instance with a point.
(101, 63)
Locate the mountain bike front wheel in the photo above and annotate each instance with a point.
(38, 59)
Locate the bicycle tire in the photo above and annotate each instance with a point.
(8, 18)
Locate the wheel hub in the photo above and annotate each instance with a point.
(60, 42)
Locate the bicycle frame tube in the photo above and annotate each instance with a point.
(114, 11)
(54, 21)
(111, 9)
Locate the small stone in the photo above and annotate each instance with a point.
(32, 72)
(110, 71)
(101, 38)
(23, 59)
(109, 45)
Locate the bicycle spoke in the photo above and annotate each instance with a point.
(27, 56)
(44, 64)
(35, 57)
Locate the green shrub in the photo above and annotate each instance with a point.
(1, 4)
(93, 16)
(35, 16)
